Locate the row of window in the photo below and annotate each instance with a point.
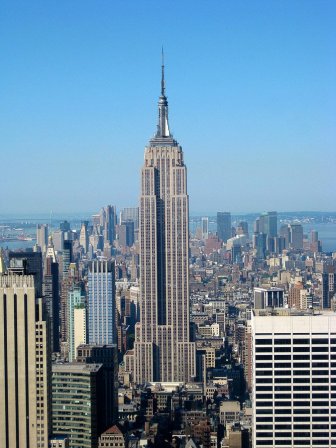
(288, 443)
(295, 434)
(314, 411)
(301, 349)
(298, 341)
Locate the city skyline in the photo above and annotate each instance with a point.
(139, 323)
(251, 86)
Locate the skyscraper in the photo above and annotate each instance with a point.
(272, 221)
(84, 237)
(296, 236)
(163, 351)
(108, 220)
(76, 320)
(224, 230)
(102, 309)
(78, 398)
(24, 365)
(293, 379)
(51, 295)
(42, 236)
(130, 214)
(126, 233)
(107, 355)
(28, 263)
(205, 227)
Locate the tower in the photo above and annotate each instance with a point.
(42, 236)
(24, 365)
(101, 306)
(296, 236)
(205, 227)
(224, 230)
(84, 237)
(163, 351)
(293, 380)
(51, 295)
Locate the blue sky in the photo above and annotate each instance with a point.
(251, 90)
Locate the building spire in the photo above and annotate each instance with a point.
(163, 126)
(162, 74)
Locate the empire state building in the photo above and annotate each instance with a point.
(162, 349)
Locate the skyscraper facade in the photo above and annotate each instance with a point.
(51, 296)
(24, 365)
(293, 379)
(42, 236)
(76, 320)
(83, 236)
(78, 403)
(296, 236)
(205, 227)
(163, 351)
(101, 310)
(224, 230)
(28, 263)
(130, 214)
(108, 222)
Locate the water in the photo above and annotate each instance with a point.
(17, 245)
(326, 233)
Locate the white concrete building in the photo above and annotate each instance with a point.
(294, 379)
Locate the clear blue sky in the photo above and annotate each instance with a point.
(251, 87)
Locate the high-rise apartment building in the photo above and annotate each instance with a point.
(24, 365)
(101, 303)
(294, 379)
(163, 351)
(224, 228)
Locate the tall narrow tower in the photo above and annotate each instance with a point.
(163, 351)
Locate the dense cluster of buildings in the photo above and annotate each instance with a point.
(130, 332)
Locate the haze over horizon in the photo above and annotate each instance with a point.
(251, 97)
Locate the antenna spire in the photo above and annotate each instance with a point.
(162, 76)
